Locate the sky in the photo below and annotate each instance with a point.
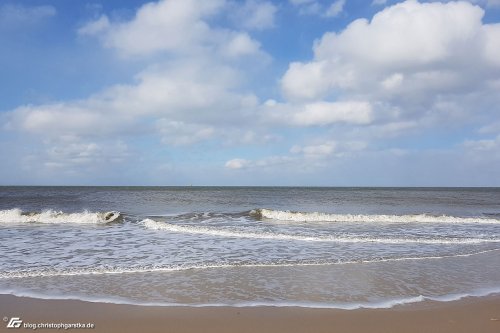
(250, 92)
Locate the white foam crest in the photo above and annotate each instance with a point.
(16, 215)
(326, 217)
(152, 269)
(382, 304)
(152, 224)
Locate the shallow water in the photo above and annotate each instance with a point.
(321, 247)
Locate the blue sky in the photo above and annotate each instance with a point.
(255, 92)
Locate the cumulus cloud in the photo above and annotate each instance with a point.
(412, 67)
(406, 35)
(175, 26)
(411, 57)
(192, 89)
(181, 28)
(181, 91)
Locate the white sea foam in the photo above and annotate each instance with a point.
(326, 217)
(19, 274)
(382, 304)
(50, 216)
(219, 232)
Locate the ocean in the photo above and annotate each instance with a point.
(342, 248)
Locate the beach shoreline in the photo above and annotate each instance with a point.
(472, 314)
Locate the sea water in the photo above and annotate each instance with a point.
(246, 246)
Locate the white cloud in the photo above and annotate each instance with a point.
(300, 2)
(413, 66)
(409, 34)
(181, 28)
(95, 27)
(179, 93)
(85, 153)
(335, 8)
(393, 81)
(314, 7)
(240, 44)
(302, 158)
(178, 133)
(426, 60)
(323, 149)
(71, 155)
(492, 43)
(183, 95)
(255, 15)
(62, 119)
(483, 145)
(17, 14)
(326, 113)
(490, 128)
(488, 3)
(264, 163)
(169, 25)
(319, 113)
(308, 7)
(237, 163)
(305, 80)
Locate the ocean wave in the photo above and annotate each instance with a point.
(327, 217)
(16, 215)
(223, 232)
(50, 272)
(382, 304)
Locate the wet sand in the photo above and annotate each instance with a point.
(468, 315)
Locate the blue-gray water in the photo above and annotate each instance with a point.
(324, 247)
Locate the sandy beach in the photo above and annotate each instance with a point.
(468, 315)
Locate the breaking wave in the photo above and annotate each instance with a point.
(382, 304)
(51, 272)
(225, 232)
(326, 217)
(16, 215)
